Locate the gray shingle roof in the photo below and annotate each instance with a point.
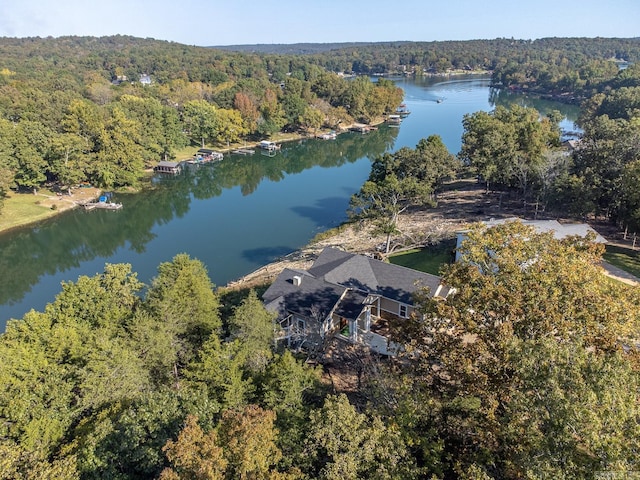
(334, 273)
(312, 297)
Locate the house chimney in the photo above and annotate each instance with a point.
(297, 280)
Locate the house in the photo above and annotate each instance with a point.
(168, 167)
(145, 79)
(119, 79)
(352, 297)
(559, 230)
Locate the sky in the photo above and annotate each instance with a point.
(245, 22)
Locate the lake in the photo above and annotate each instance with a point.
(240, 213)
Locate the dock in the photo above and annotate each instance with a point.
(205, 155)
(243, 151)
(328, 136)
(102, 205)
(394, 119)
(403, 110)
(172, 168)
(359, 128)
(269, 146)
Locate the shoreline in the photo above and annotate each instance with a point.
(49, 204)
(456, 209)
(42, 206)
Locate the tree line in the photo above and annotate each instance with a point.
(499, 55)
(595, 175)
(73, 110)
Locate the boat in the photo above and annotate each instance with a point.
(440, 100)
(328, 136)
(402, 110)
(359, 128)
(205, 155)
(268, 145)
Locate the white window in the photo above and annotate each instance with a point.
(403, 311)
(301, 324)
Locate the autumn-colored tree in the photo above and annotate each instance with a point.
(195, 455)
(249, 440)
(19, 464)
(247, 107)
(532, 320)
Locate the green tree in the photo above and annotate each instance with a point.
(273, 116)
(383, 202)
(290, 388)
(508, 146)
(311, 119)
(160, 128)
(182, 297)
(344, 444)
(511, 362)
(57, 363)
(68, 160)
(7, 164)
(31, 146)
(230, 126)
(221, 368)
(253, 326)
(119, 157)
(200, 120)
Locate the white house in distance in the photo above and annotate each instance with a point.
(560, 230)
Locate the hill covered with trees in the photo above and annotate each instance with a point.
(82, 109)
(529, 370)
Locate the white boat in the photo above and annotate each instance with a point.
(268, 145)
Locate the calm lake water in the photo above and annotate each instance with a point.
(238, 214)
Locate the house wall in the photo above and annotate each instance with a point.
(393, 307)
(299, 329)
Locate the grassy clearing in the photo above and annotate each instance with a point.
(24, 208)
(428, 260)
(624, 258)
(21, 209)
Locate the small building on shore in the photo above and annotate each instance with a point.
(172, 168)
(269, 145)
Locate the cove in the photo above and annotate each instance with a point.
(240, 213)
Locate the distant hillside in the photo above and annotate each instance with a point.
(299, 48)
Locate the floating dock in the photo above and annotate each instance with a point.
(102, 205)
(243, 151)
(205, 155)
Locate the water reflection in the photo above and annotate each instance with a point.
(237, 214)
(74, 238)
